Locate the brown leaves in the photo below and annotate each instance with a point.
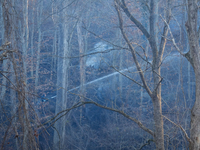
(36, 134)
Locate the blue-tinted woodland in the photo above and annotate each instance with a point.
(97, 75)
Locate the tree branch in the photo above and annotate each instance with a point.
(198, 33)
(165, 31)
(172, 37)
(179, 126)
(187, 55)
(132, 51)
(133, 19)
(60, 114)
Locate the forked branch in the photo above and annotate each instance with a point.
(81, 103)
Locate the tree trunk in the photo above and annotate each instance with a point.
(5, 62)
(32, 37)
(158, 119)
(82, 61)
(39, 15)
(56, 138)
(195, 116)
(65, 71)
(62, 78)
(157, 52)
(25, 38)
(193, 57)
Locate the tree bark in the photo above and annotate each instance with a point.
(39, 15)
(82, 61)
(25, 38)
(157, 52)
(193, 57)
(62, 78)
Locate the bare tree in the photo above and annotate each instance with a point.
(193, 57)
(19, 103)
(39, 22)
(157, 53)
(62, 76)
